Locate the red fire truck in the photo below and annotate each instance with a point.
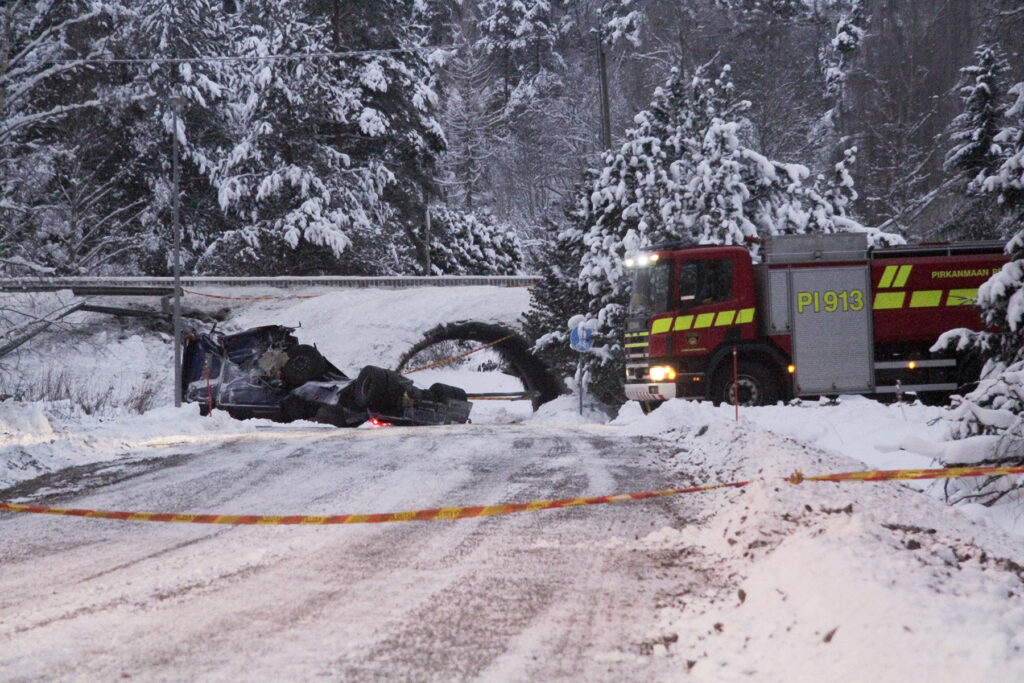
(822, 315)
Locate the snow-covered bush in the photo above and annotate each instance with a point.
(467, 243)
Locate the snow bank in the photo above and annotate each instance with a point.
(855, 581)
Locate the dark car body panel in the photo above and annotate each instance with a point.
(243, 374)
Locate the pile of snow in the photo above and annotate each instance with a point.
(822, 577)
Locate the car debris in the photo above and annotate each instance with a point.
(264, 372)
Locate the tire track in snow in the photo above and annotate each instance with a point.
(345, 600)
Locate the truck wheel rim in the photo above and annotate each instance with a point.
(750, 391)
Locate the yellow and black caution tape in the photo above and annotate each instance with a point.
(453, 513)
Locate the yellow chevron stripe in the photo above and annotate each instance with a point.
(746, 315)
(661, 325)
(887, 276)
(926, 298)
(901, 277)
(683, 322)
(725, 318)
(704, 320)
(886, 300)
(962, 297)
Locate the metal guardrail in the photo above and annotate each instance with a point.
(165, 285)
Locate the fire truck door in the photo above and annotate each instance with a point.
(830, 308)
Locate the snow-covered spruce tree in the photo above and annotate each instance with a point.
(973, 152)
(995, 408)
(684, 173)
(837, 56)
(973, 131)
(466, 243)
(558, 297)
(143, 108)
(336, 152)
(518, 35)
(472, 128)
(62, 205)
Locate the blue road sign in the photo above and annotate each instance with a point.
(581, 338)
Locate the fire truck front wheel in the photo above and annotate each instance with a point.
(756, 384)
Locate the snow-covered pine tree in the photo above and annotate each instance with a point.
(995, 408)
(519, 36)
(329, 155)
(61, 201)
(973, 153)
(144, 108)
(472, 127)
(837, 56)
(467, 243)
(972, 132)
(558, 297)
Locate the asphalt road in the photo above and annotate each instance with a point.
(553, 595)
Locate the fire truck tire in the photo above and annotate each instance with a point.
(378, 390)
(757, 385)
(304, 365)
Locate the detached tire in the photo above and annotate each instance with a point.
(446, 392)
(377, 390)
(304, 364)
(756, 383)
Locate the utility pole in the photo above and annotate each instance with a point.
(176, 101)
(426, 234)
(606, 123)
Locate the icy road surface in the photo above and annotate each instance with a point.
(771, 582)
(95, 600)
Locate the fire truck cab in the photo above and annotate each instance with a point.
(822, 315)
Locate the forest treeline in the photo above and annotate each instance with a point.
(314, 135)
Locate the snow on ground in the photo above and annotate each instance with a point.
(879, 581)
(854, 578)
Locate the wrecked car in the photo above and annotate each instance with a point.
(266, 373)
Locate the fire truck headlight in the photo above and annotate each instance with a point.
(629, 263)
(661, 373)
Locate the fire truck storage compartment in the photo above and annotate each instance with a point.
(832, 338)
(825, 308)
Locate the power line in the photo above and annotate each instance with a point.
(238, 58)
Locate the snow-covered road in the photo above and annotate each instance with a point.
(441, 600)
(862, 581)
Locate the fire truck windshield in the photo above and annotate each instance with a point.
(704, 282)
(651, 289)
